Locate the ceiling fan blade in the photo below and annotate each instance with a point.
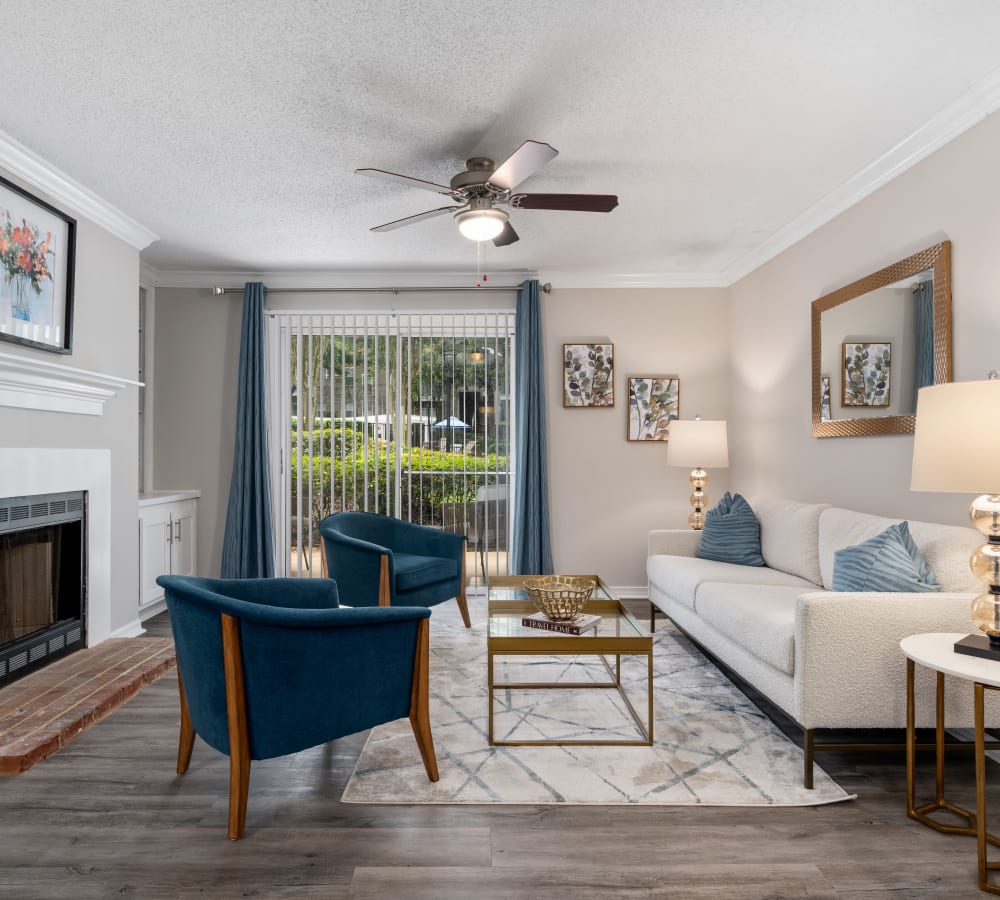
(507, 236)
(527, 159)
(574, 202)
(404, 179)
(419, 217)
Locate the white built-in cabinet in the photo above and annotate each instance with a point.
(168, 533)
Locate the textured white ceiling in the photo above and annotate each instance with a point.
(232, 128)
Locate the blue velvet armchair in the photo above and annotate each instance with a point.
(272, 666)
(378, 560)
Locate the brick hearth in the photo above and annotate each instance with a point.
(47, 709)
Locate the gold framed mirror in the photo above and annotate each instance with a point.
(877, 341)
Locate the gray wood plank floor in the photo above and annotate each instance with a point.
(108, 817)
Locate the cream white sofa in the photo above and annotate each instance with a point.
(829, 660)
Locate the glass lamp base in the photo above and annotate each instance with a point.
(699, 478)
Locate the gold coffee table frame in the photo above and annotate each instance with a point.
(618, 635)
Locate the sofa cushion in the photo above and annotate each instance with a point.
(760, 618)
(890, 561)
(680, 576)
(414, 572)
(946, 548)
(789, 536)
(731, 533)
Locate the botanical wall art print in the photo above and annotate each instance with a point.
(825, 409)
(37, 255)
(588, 375)
(867, 368)
(653, 402)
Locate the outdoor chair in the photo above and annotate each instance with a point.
(377, 560)
(272, 666)
(489, 522)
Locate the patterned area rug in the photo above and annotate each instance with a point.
(712, 746)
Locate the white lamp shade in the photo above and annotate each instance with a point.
(695, 443)
(956, 444)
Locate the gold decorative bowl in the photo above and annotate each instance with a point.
(560, 597)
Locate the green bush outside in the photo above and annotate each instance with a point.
(334, 476)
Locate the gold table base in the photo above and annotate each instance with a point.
(975, 822)
(644, 728)
(629, 640)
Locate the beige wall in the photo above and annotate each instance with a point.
(947, 196)
(606, 493)
(105, 340)
(196, 361)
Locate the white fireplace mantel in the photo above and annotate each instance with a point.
(35, 384)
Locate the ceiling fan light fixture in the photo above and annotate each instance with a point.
(481, 224)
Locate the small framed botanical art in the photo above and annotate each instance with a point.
(37, 255)
(825, 410)
(867, 367)
(653, 402)
(588, 375)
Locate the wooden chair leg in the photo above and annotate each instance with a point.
(384, 594)
(463, 603)
(186, 743)
(420, 719)
(239, 742)
(322, 556)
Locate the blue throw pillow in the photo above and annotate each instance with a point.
(890, 561)
(731, 533)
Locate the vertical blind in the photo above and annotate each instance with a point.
(406, 414)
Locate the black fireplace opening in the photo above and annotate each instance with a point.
(42, 580)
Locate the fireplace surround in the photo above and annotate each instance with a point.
(46, 470)
(43, 581)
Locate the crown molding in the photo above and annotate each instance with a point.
(607, 280)
(228, 278)
(978, 102)
(334, 278)
(65, 192)
(149, 276)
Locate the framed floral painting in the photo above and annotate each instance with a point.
(867, 367)
(37, 257)
(653, 403)
(588, 375)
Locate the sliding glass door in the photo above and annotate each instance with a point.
(406, 414)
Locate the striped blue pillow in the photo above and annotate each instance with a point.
(731, 533)
(890, 561)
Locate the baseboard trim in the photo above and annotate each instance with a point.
(132, 629)
(152, 609)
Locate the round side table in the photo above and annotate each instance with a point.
(936, 652)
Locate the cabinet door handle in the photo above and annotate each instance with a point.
(170, 533)
(177, 531)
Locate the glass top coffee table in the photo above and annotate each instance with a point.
(616, 634)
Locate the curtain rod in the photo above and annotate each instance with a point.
(218, 289)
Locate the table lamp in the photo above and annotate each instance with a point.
(698, 444)
(955, 448)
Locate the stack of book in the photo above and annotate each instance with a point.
(577, 625)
